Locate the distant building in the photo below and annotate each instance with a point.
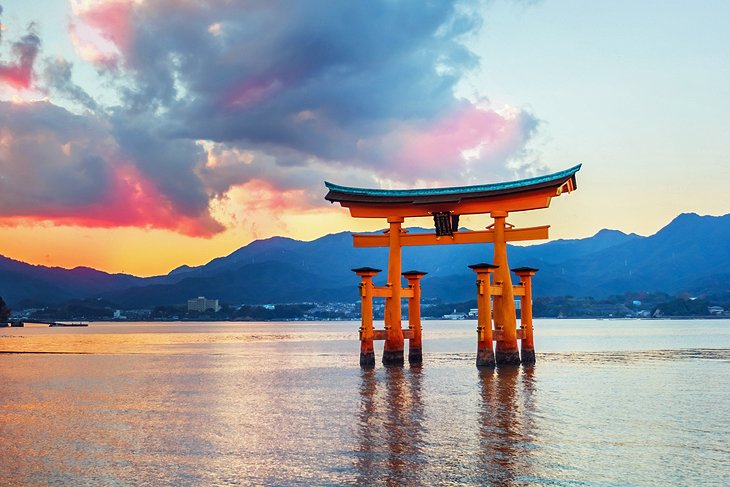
(202, 304)
(454, 316)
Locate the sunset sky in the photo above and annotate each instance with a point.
(139, 135)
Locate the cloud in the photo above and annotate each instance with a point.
(19, 73)
(70, 169)
(255, 102)
(57, 76)
(325, 81)
(101, 30)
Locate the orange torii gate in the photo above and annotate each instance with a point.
(493, 280)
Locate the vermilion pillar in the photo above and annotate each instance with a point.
(505, 317)
(415, 347)
(367, 353)
(527, 343)
(485, 350)
(393, 349)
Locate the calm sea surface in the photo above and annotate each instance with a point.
(608, 403)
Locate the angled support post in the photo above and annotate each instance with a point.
(415, 347)
(485, 350)
(527, 344)
(367, 352)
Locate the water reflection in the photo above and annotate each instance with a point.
(407, 437)
(505, 428)
(390, 427)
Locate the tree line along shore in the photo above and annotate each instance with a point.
(628, 305)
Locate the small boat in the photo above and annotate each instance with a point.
(11, 324)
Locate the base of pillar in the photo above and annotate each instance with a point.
(503, 357)
(367, 359)
(528, 357)
(485, 358)
(393, 357)
(415, 355)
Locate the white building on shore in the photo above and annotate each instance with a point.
(202, 304)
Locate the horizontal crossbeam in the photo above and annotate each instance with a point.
(462, 237)
(383, 334)
(387, 292)
(496, 290)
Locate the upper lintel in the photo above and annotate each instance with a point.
(523, 194)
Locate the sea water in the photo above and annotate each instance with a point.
(609, 402)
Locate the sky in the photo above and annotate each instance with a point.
(140, 135)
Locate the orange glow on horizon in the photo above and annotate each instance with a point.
(149, 252)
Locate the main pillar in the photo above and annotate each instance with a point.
(485, 350)
(393, 349)
(367, 352)
(415, 347)
(527, 344)
(505, 316)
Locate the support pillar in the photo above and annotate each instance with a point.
(415, 348)
(485, 350)
(505, 316)
(527, 344)
(393, 348)
(367, 352)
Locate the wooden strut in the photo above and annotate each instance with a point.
(413, 292)
(367, 332)
(493, 283)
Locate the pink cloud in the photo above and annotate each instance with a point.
(130, 201)
(104, 30)
(260, 194)
(251, 92)
(134, 200)
(16, 76)
(448, 144)
(19, 74)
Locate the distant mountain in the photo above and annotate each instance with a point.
(692, 253)
(22, 283)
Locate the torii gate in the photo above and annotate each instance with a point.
(445, 205)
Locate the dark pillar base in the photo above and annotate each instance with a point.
(485, 358)
(503, 357)
(415, 355)
(367, 359)
(393, 357)
(528, 357)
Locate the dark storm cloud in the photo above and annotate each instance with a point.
(50, 160)
(315, 77)
(19, 73)
(71, 169)
(276, 95)
(57, 77)
(170, 163)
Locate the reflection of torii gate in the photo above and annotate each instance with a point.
(445, 205)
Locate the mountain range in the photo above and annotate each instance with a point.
(692, 253)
